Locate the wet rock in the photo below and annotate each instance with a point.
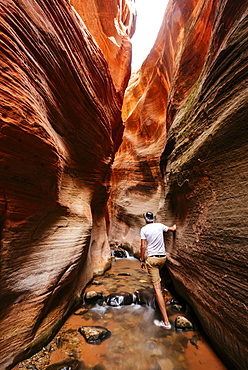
(182, 322)
(116, 300)
(119, 253)
(93, 297)
(67, 365)
(58, 341)
(174, 301)
(97, 283)
(194, 341)
(81, 312)
(124, 274)
(177, 308)
(94, 334)
(146, 297)
(108, 276)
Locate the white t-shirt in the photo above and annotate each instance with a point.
(153, 233)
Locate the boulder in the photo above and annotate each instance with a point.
(92, 297)
(183, 323)
(116, 300)
(94, 334)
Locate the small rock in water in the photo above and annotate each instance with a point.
(97, 283)
(124, 274)
(94, 334)
(93, 297)
(177, 307)
(194, 340)
(81, 312)
(182, 322)
(116, 300)
(119, 253)
(67, 365)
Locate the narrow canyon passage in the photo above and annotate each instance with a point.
(86, 148)
(135, 342)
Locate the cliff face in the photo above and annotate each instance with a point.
(191, 92)
(112, 24)
(60, 128)
(64, 68)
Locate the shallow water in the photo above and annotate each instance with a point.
(135, 342)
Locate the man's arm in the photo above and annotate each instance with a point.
(173, 228)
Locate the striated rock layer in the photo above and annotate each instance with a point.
(60, 127)
(111, 23)
(191, 92)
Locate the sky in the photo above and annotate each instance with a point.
(149, 19)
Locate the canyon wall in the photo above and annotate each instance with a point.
(184, 157)
(61, 125)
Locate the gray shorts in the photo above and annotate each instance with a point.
(154, 264)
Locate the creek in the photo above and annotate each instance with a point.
(135, 342)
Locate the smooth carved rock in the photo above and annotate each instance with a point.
(112, 24)
(191, 94)
(60, 128)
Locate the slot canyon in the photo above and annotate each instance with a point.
(86, 148)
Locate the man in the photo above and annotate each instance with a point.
(152, 245)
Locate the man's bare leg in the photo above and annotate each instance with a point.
(160, 301)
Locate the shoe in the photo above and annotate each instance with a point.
(161, 324)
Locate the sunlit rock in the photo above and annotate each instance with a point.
(191, 93)
(111, 23)
(60, 128)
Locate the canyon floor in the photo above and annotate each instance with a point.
(135, 342)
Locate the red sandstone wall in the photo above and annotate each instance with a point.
(60, 125)
(111, 23)
(191, 93)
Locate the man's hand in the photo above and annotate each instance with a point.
(172, 228)
(143, 266)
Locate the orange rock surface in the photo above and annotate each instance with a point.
(64, 69)
(60, 128)
(112, 24)
(191, 94)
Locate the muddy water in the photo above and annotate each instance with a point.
(135, 342)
